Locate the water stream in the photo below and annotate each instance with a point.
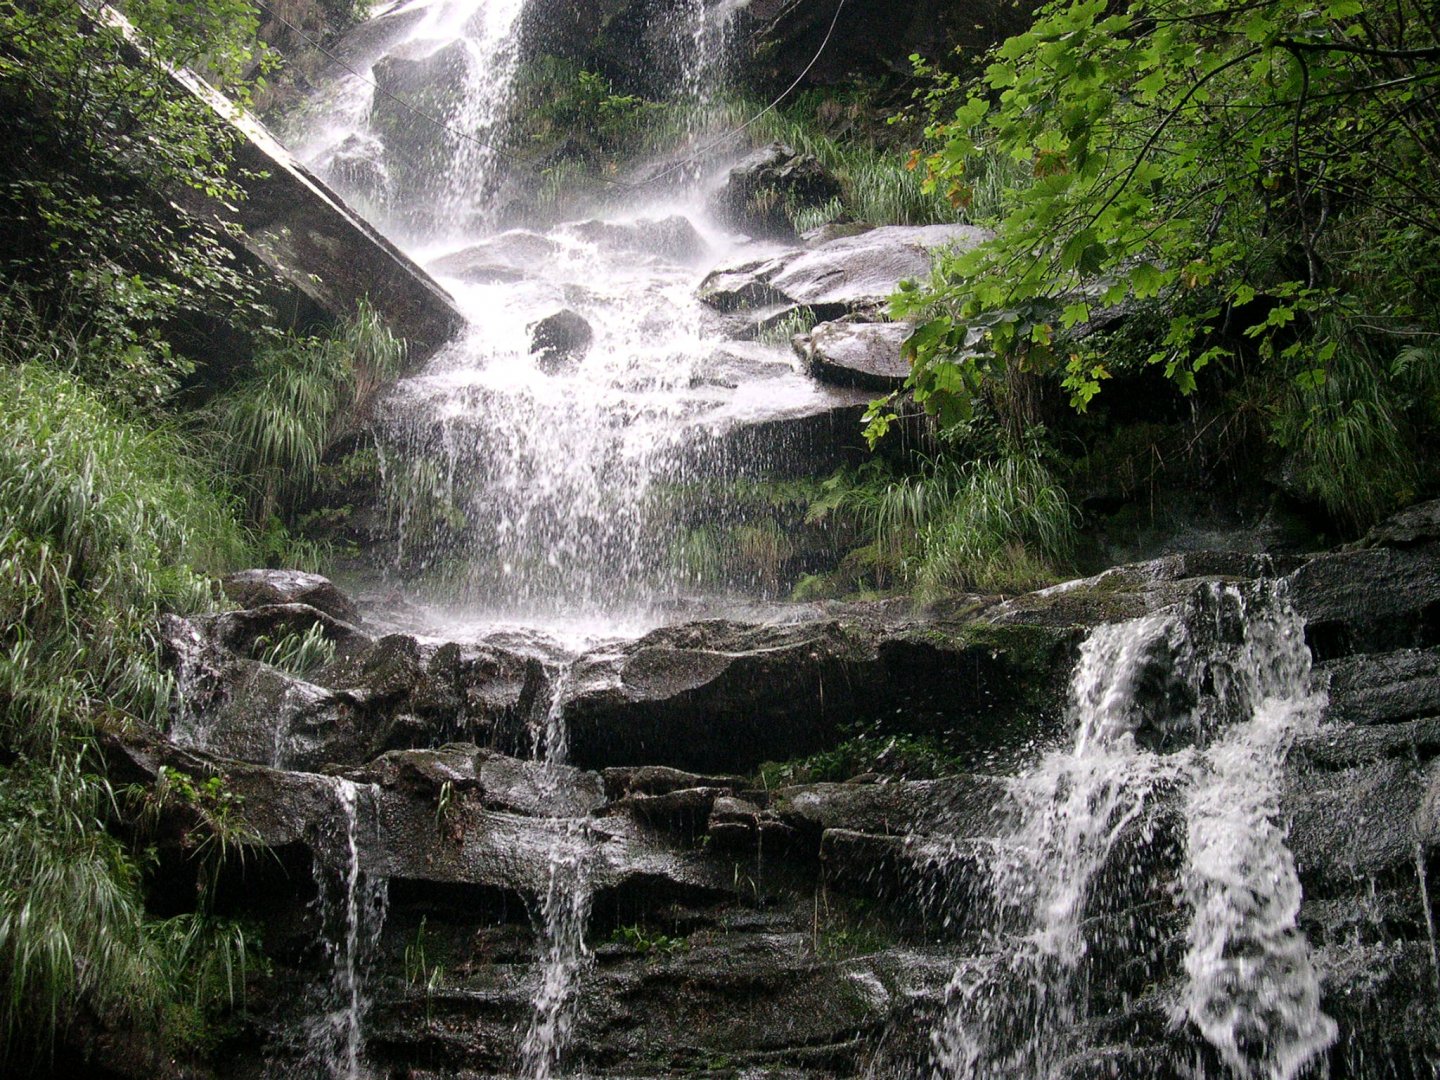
(1077, 882)
(350, 907)
(543, 486)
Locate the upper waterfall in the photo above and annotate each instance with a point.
(533, 467)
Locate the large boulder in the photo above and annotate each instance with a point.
(257, 588)
(760, 193)
(851, 274)
(561, 340)
(865, 355)
(723, 697)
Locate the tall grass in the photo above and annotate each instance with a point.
(993, 525)
(107, 522)
(272, 428)
(877, 184)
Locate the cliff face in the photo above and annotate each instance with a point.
(859, 40)
(728, 922)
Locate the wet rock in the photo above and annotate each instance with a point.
(249, 630)
(511, 256)
(721, 697)
(734, 824)
(322, 258)
(560, 340)
(673, 238)
(660, 780)
(265, 716)
(761, 192)
(959, 806)
(408, 79)
(539, 789)
(1353, 825)
(685, 811)
(1418, 524)
(1384, 688)
(854, 274)
(743, 286)
(498, 782)
(1341, 746)
(1376, 600)
(859, 354)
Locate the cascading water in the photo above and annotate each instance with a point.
(1253, 992)
(1075, 878)
(1013, 1018)
(538, 486)
(350, 906)
(564, 910)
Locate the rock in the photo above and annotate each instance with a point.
(560, 340)
(787, 40)
(859, 354)
(1354, 824)
(432, 82)
(1342, 746)
(247, 632)
(720, 697)
(1417, 524)
(686, 811)
(760, 193)
(1375, 600)
(324, 258)
(259, 588)
(673, 238)
(854, 274)
(510, 256)
(265, 716)
(1383, 688)
(659, 780)
(958, 806)
(498, 782)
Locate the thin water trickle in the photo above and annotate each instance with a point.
(1081, 882)
(350, 906)
(563, 913)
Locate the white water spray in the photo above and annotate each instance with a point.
(351, 907)
(1071, 878)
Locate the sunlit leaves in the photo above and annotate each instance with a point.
(1176, 148)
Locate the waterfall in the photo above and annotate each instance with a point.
(350, 907)
(1252, 991)
(524, 482)
(1072, 811)
(564, 910)
(1071, 880)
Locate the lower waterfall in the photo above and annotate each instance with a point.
(1228, 680)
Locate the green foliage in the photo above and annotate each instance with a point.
(420, 969)
(102, 144)
(273, 428)
(298, 652)
(1353, 430)
(877, 186)
(107, 524)
(1003, 524)
(648, 944)
(1241, 167)
(866, 749)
